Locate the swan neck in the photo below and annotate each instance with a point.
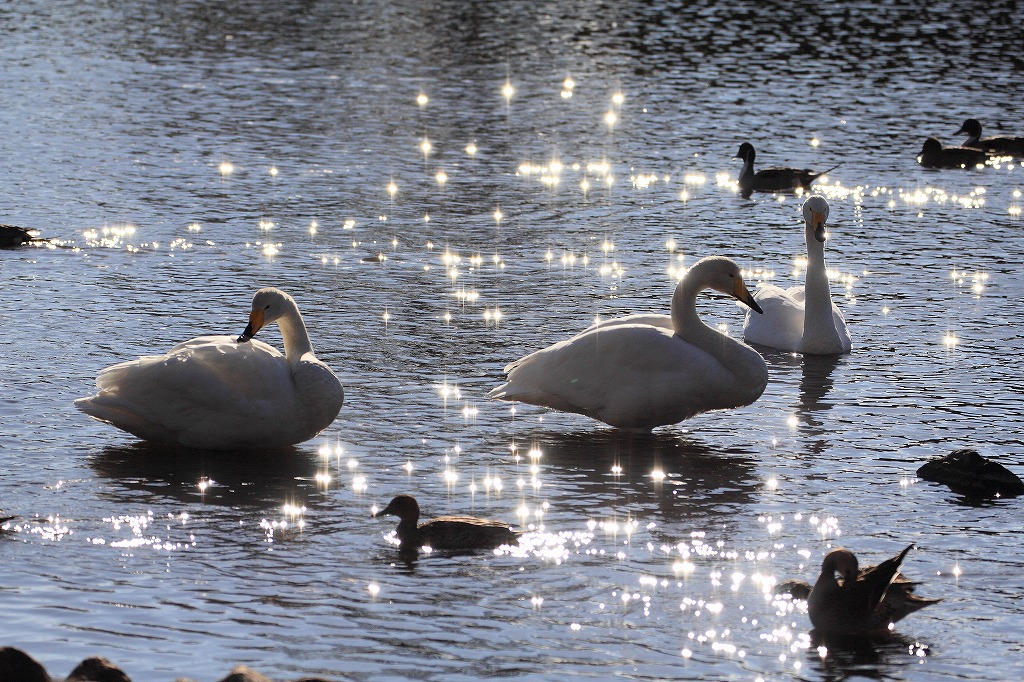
(685, 320)
(294, 335)
(818, 319)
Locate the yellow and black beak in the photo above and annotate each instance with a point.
(739, 291)
(818, 225)
(255, 324)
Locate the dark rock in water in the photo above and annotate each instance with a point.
(15, 664)
(97, 669)
(967, 472)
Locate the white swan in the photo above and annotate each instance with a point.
(219, 393)
(802, 319)
(638, 376)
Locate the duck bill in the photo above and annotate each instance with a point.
(255, 324)
(383, 512)
(818, 223)
(740, 293)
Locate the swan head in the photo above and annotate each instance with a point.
(746, 152)
(816, 215)
(970, 127)
(268, 305)
(722, 274)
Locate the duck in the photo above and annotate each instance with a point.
(445, 532)
(777, 179)
(802, 319)
(222, 393)
(935, 155)
(12, 236)
(637, 376)
(999, 146)
(862, 601)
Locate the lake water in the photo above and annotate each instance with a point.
(179, 154)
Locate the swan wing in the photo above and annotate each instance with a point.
(782, 323)
(206, 392)
(627, 375)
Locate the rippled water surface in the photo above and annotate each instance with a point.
(547, 163)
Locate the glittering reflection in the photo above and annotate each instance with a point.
(685, 477)
(192, 476)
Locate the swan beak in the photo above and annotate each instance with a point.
(739, 291)
(818, 223)
(255, 324)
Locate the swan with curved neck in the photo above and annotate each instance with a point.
(635, 375)
(219, 393)
(802, 319)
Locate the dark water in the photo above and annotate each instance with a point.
(117, 117)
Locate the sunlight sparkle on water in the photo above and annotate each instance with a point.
(471, 149)
(507, 91)
(226, 168)
(422, 99)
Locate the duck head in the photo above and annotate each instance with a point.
(746, 153)
(971, 127)
(405, 507)
(843, 562)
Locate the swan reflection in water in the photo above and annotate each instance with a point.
(257, 478)
(685, 477)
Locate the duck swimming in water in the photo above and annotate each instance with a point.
(997, 146)
(934, 155)
(641, 372)
(12, 236)
(445, 532)
(861, 601)
(776, 179)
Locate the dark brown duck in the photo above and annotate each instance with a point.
(998, 146)
(445, 532)
(861, 601)
(775, 179)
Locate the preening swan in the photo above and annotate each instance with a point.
(802, 319)
(635, 375)
(219, 393)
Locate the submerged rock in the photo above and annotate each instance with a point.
(967, 472)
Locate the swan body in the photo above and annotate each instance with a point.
(1000, 146)
(219, 393)
(861, 601)
(445, 532)
(635, 375)
(802, 319)
(776, 179)
(935, 155)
